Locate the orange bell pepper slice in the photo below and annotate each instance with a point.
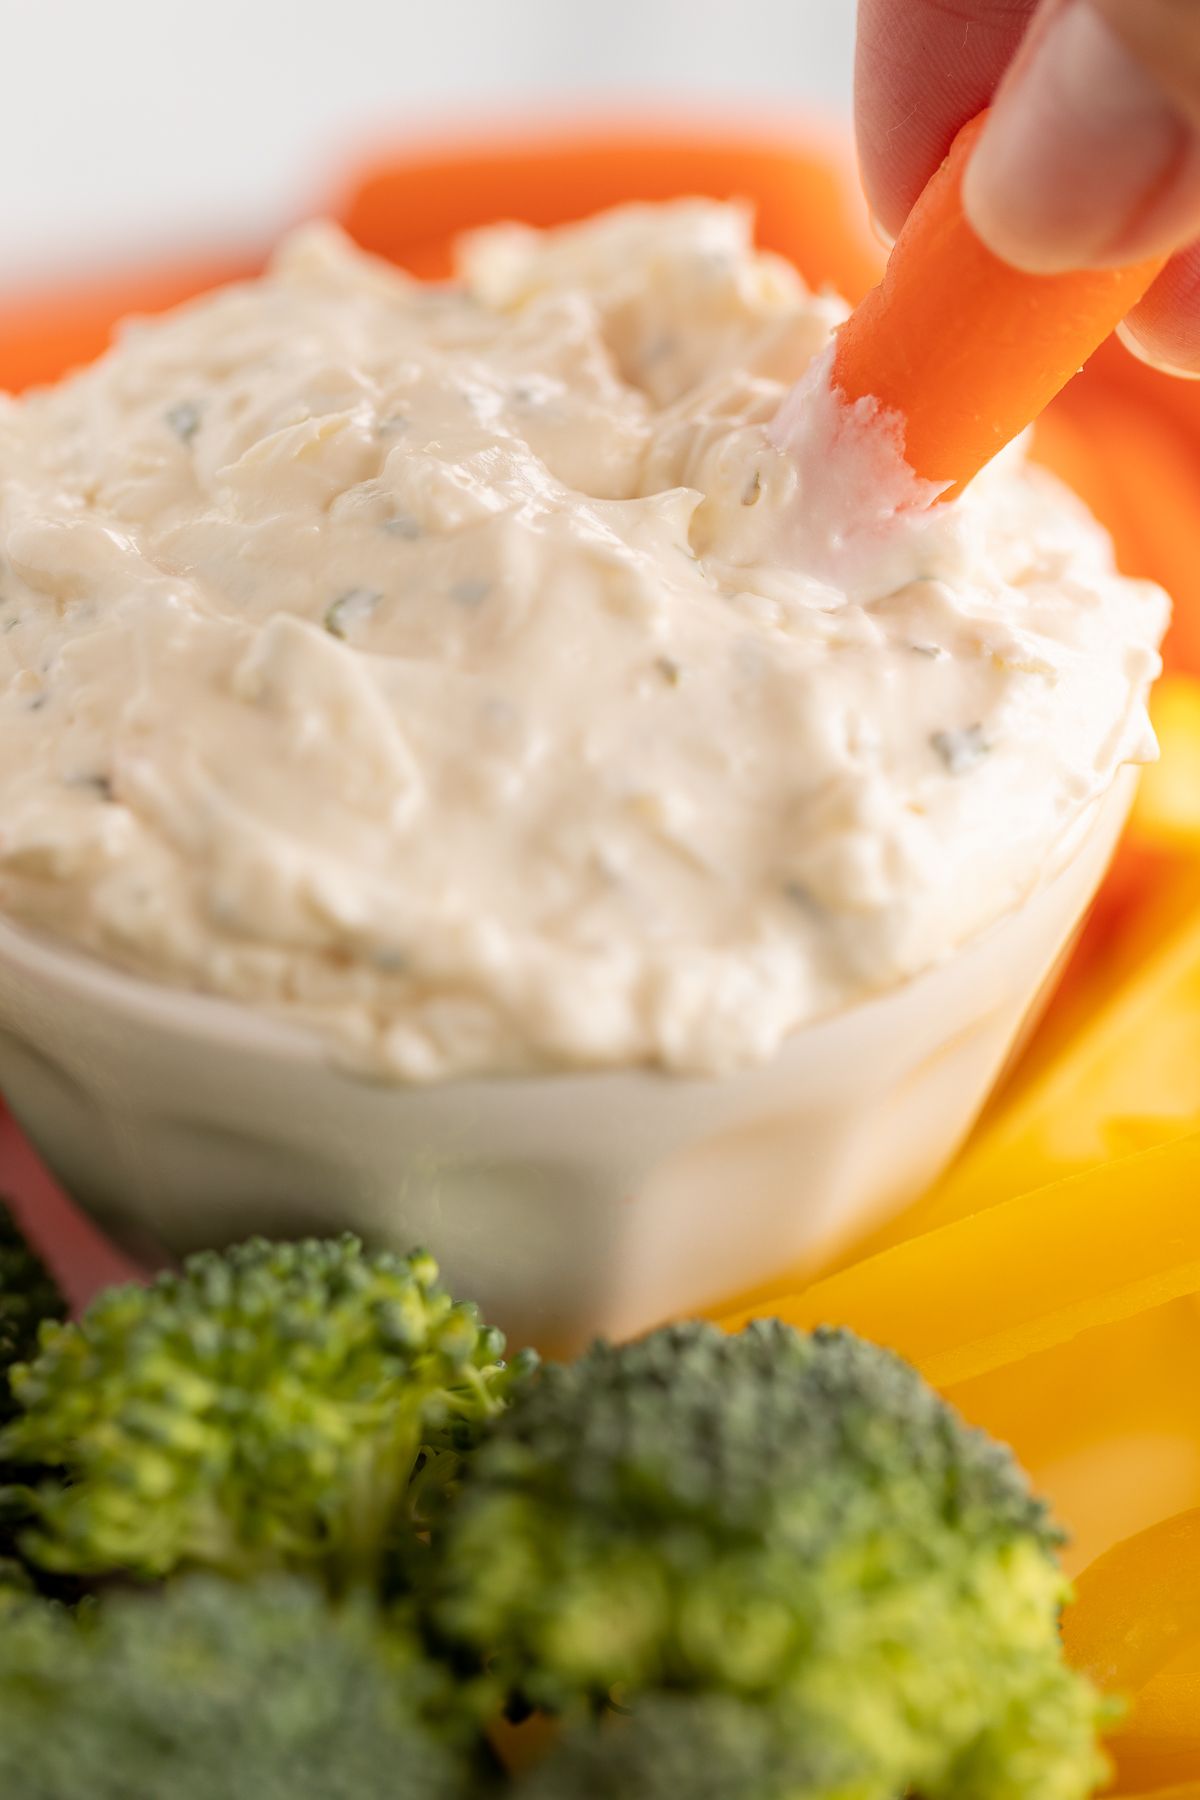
(1137, 1607)
(1135, 1628)
(1167, 1714)
(1148, 492)
(1188, 1790)
(1167, 809)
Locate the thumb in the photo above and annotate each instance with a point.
(1091, 155)
(1164, 36)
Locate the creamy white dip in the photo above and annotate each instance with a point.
(466, 672)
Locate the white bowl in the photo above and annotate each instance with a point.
(566, 1204)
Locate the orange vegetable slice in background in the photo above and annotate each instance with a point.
(412, 204)
(1137, 1607)
(1166, 1715)
(1188, 1790)
(1155, 1776)
(1024, 1275)
(1135, 1629)
(965, 348)
(1150, 893)
(1166, 811)
(1137, 463)
(1137, 466)
(43, 333)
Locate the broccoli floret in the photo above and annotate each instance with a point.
(250, 1693)
(713, 1747)
(28, 1294)
(708, 1747)
(795, 1520)
(273, 1406)
(16, 1585)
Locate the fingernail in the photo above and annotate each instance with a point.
(880, 232)
(1136, 348)
(1080, 143)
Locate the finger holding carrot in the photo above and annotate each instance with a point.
(1091, 157)
(960, 347)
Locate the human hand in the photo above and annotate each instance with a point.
(1091, 156)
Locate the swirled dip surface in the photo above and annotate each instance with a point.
(466, 672)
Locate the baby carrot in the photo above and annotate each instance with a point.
(46, 332)
(965, 348)
(412, 204)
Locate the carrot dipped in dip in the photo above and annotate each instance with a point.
(960, 351)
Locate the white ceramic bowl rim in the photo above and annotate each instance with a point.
(219, 1020)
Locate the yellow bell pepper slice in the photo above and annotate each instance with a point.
(1137, 1057)
(1127, 1041)
(1019, 1277)
(1106, 1424)
(1123, 1041)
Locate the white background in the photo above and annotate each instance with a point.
(129, 126)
